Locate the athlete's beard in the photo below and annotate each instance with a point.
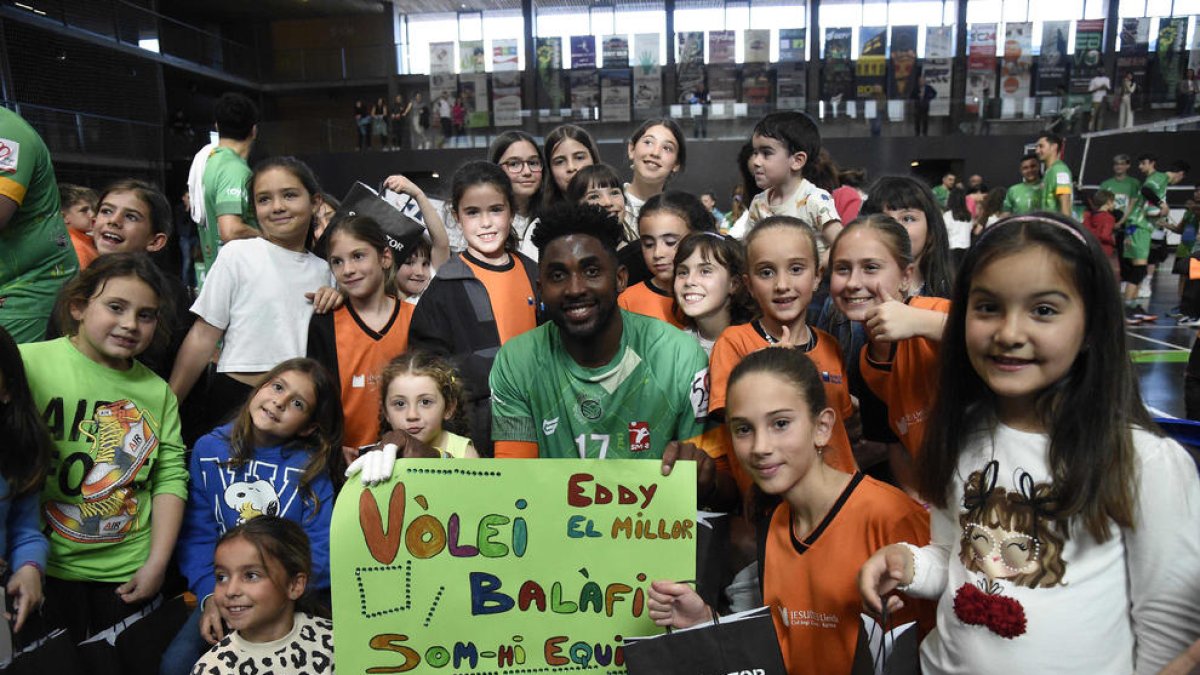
(605, 311)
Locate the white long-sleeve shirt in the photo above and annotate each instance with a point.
(1128, 605)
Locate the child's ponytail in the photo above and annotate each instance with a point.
(27, 443)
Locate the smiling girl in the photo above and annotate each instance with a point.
(114, 496)
(656, 152)
(272, 460)
(260, 287)
(263, 570)
(568, 150)
(826, 522)
(356, 340)
(521, 158)
(710, 294)
(1060, 536)
(663, 222)
(496, 284)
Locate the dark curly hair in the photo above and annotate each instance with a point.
(563, 220)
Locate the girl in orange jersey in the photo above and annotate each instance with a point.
(782, 272)
(356, 341)
(664, 220)
(825, 525)
(872, 276)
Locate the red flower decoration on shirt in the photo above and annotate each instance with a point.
(1002, 615)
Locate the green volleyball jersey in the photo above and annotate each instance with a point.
(941, 194)
(1023, 198)
(1125, 192)
(1057, 181)
(1157, 182)
(655, 390)
(36, 255)
(226, 193)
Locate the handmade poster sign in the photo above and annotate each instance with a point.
(484, 566)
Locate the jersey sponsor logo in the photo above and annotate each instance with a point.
(10, 150)
(639, 436)
(699, 394)
(591, 409)
(832, 378)
(550, 426)
(1063, 178)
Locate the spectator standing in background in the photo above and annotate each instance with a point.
(400, 110)
(941, 192)
(445, 115)
(379, 122)
(362, 122)
(1125, 113)
(1098, 88)
(420, 122)
(922, 95)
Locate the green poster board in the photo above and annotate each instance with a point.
(517, 566)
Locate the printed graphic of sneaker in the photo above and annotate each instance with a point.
(108, 520)
(121, 443)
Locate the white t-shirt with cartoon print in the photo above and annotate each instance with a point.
(1017, 598)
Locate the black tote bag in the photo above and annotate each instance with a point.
(736, 645)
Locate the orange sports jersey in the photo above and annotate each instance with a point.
(738, 341)
(907, 382)
(646, 299)
(811, 586)
(85, 248)
(361, 354)
(510, 294)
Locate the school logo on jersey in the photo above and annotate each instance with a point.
(9, 152)
(832, 378)
(639, 436)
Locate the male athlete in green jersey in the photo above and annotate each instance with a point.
(598, 382)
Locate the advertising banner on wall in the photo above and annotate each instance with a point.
(542, 570)
(838, 80)
(1053, 62)
(506, 98)
(870, 73)
(441, 58)
(904, 61)
(722, 82)
(1166, 64)
(721, 46)
(504, 55)
(757, 45)
(647, 90)
(791, 86)
(645, 49)
(1194, 50)
(583, 51)
(689, 65)
(1086, 62)
(585, 94)
(473, 89)
(981, 65)
(614, 94)
(939, 67)
(616, 51)
(792, 44)
(470, 56)
(1134, 54)
(756, 84)
(1015, 70)
(550, 96)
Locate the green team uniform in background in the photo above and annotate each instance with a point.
(1125, 192)
(1137, 242)
(226, 193)
(655, 390)
(941, 194)
(1055, 182)
(36, 255)
(117, 446)
(1022, 198)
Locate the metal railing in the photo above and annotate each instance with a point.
(68, 132)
